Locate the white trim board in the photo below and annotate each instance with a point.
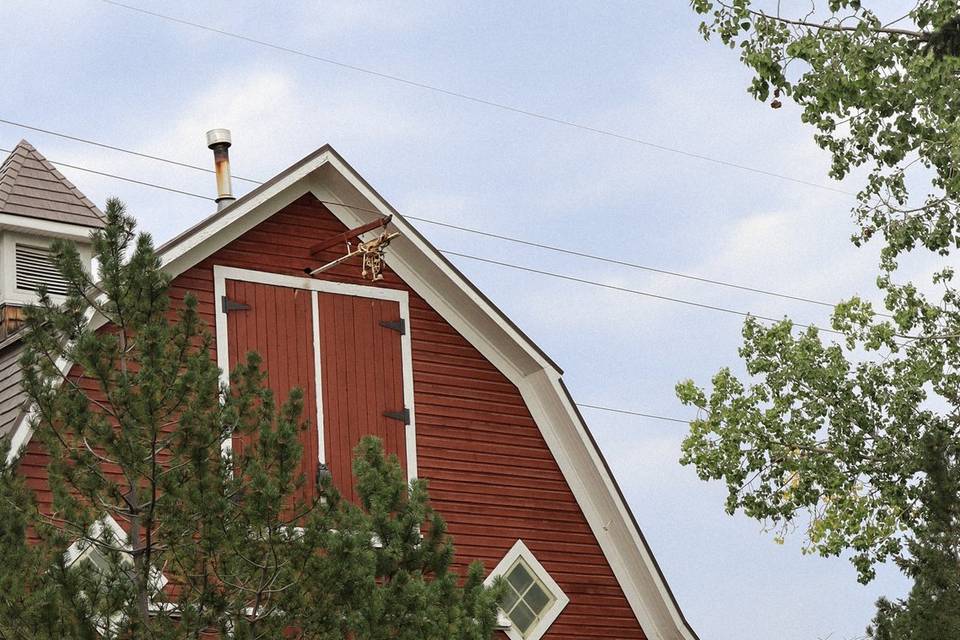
(560, 600)
(87, 547)
(328, 177)
(222, 273)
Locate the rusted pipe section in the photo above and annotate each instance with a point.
(219, 141)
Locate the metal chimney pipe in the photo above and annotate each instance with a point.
(219, 141)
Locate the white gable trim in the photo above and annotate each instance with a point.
(540, 383)
(23, 431)
(330, 179)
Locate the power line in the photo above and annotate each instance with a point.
(599, 258)
(594, 283)
(631, 413)
(637, 292)
(473, 98)
(701, 305)
(506, 238)
(131, 152)
(622, 263)
(116, 177)
(195, 195)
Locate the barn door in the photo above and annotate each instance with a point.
(347, 354)
(277, 323)
(361, 380)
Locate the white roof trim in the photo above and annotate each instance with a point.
(330, 178)
(40, 226)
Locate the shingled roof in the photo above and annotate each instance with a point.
(12, 394)
(30, 186)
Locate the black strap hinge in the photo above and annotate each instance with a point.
(227, 305)
(323, 472)
(403, 415)
(400, 326)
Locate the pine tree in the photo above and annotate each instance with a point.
(931, 611)
(211, 543)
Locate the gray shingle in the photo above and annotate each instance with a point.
(12, 395)
(30, 186)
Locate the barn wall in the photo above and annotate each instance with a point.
(491, 474)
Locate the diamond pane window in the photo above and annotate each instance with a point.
(533, 600)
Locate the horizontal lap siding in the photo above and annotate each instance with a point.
(491, 474)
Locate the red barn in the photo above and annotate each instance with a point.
(420, 358)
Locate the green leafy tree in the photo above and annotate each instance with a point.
(930, 610)
(209, 543)
(830, 435)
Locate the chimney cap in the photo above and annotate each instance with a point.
(218, 136)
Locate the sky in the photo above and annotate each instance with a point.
(638, 68)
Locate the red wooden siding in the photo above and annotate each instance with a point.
(362, 377)
(279, 326)
(491, 474)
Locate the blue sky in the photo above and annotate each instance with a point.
(639, 68)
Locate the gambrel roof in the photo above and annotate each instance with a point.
(328, 177)
(32, 187)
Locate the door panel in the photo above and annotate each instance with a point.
(279, 326)
(361, 379)
(361, 368)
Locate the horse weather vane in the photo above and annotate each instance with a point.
(371, 251)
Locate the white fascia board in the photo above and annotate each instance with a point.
(409, 255)
(47, 228)
(97, 531)
(539, 383)
(606, 513)
(242, 217)
(23, 430)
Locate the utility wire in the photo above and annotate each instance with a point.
(131, 152)
(701, 305)
(637, 292)
(196, 195)
(622, 263)
(594, 283)
(631, 413)
(116, 177)
(599, 258)
(488, 234)
(473, 98)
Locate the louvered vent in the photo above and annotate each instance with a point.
(35, 267)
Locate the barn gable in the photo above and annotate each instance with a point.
(477, 392)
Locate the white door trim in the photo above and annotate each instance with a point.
(222, 273)
(318, 377)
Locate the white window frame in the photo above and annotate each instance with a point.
(9, 239)
(519, 551)
(86, 549)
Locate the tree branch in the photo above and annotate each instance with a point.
(821, 26)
